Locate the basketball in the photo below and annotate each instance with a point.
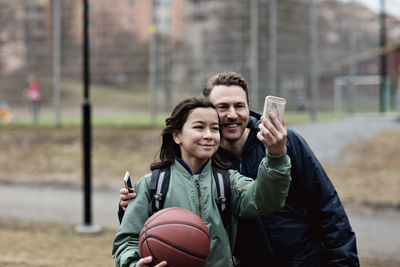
(177, 236)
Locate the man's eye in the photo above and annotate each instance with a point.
(221, 107)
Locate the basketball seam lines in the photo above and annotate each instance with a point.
(161, 213)
(148, 228)
(184, 251)
(148, 246)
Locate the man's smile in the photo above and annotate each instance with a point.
(231, 125)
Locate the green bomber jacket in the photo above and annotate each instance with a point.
(249, 198)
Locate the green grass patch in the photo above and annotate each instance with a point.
(141, 120)
(134, 121)
(293, 117)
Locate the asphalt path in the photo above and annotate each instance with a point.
(378, 234)
(327, 139)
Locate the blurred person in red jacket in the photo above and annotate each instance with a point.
(33, 95)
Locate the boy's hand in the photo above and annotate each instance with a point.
(144, 262)
(273, 135)
(125, 197)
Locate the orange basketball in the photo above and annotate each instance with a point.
(177, 236)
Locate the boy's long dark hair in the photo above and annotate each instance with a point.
(169, 150)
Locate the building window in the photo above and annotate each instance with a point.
(128, 3)
(127, 22)
(91, 24)
(93, 41)
(33, 10)
(162, 4)
(91, 7)
(163, 21)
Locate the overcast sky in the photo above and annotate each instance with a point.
(391, 6)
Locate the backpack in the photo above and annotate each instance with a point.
(159, 187)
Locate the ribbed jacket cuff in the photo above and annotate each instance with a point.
(275, 161)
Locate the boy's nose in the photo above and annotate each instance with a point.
(207, 134)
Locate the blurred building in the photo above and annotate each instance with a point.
(220, 39)
(340, 56)
(24, 36)
(119, 35)
(194, 39)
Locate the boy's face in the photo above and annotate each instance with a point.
(233, 110)
(199, 138)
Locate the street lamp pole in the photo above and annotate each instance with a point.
(383, 52)
(87, 226)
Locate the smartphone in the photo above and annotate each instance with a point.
(127, 182)
(276, 105)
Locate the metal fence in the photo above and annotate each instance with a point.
(164, 50)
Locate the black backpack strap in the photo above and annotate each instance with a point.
(158, 189)
(223, 200)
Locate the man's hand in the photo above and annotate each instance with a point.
(273, 135)
(125, 197)
(144, 262)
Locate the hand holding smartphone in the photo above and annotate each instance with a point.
(276, 105)
(127, 182)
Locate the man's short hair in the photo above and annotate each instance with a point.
(229, 78)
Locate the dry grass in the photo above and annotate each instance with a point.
(45, 244)
(55, 155)
(369, 171)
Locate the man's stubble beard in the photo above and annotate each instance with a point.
(232, 140)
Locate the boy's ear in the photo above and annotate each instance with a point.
(177, 137)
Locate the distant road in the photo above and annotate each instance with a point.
(55, 203)
(327, 138)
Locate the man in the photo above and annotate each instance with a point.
(312, 229)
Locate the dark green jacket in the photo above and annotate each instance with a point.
(248, 198)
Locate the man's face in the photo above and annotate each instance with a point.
(233, 111)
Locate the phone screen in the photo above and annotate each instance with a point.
(276, 105)
(127, 182)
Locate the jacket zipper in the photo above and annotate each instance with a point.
(198, 196)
